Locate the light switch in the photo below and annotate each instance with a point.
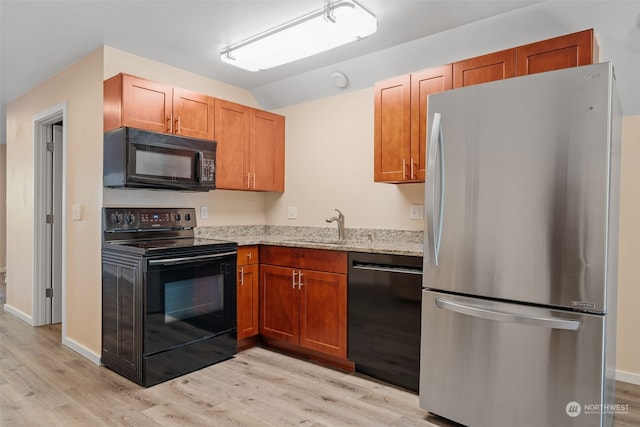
(204, 212)
(76, 212)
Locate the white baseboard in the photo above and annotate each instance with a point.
(628, 377)
(82, 350)
(19, 314)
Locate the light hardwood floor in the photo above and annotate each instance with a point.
(43, 383)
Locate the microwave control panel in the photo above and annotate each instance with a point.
(208, 170)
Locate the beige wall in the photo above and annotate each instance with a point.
(80, 86)
(329, 164)
(628, 351)
(3, 205)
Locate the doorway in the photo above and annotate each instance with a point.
(49, 146)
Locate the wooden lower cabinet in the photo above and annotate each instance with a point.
(303, 307)
(248, 295)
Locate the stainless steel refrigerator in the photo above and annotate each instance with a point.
(521, 241)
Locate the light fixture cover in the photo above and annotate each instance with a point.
(338, 23)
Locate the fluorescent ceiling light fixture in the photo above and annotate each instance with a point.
(338, 23)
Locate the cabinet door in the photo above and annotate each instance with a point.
(232, 150)
(392, 129)
(485, 68)
(279, 303)
(423, 84)
(146, 104)
(266, 151)
(567, 51)
(192, 114)
(323, 312)
(248, 296)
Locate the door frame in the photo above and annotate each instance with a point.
(41, 124)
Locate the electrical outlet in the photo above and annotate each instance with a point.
(204, 212)
(416, 211)
(292, 212)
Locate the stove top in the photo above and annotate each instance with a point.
(157, 231)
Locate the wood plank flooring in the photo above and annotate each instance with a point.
(43, 383)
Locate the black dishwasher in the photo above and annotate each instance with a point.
(384, 317)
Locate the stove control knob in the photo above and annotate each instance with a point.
(187, 217)
(177, 217)
(131, 218)
(116, 218)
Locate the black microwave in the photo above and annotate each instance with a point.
(143, 159)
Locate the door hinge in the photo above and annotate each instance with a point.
(48, 293)
(49, 219)
(50, 147)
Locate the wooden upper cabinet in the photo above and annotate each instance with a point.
(250, 151)
(485, 68)
(400, 122)
(392, 129)
(144, 104)
(232, 150)
(571, 50)
(423, 84)
(266, 151)
(192, 114)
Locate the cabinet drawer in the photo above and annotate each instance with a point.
(248, 255)
(323, 260)
(308, 259)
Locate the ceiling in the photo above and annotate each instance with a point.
(40, 38)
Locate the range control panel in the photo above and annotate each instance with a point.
(145, 219)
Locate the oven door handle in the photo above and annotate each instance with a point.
(190, 259)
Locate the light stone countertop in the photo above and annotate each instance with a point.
(396, 242)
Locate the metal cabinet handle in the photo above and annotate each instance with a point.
(501, 316)
(293, 280)
(170, 123)
(413, 175)
(300, 284)
(241, 276)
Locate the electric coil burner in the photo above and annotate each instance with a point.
(168, 298)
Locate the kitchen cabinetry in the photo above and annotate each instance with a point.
(248, 295)
(400, 103)
(400, 131)
(144, 104)
(303, 300)
(571, 50)
(485, 68)
(250, 150)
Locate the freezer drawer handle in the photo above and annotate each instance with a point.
(436, 146)
(483, 313)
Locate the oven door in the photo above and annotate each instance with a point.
(188, 299)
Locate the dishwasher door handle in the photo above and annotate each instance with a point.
(388, 269)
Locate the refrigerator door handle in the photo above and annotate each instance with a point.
(436, 147)
(483, 313)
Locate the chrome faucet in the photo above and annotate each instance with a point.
(340, 220)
